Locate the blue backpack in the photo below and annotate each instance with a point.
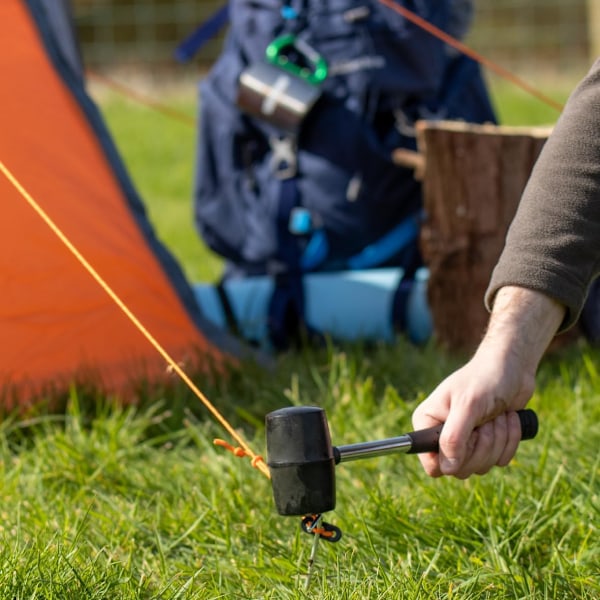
(299, 118)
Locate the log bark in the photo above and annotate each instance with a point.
(472, 183)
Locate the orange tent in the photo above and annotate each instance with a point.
(57, 324)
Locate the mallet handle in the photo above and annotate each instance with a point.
(416, 442)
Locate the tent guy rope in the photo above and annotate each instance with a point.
(466, 50)
(245, 450)
(392, 5)
(141, 98)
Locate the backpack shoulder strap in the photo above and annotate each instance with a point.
(207, 30)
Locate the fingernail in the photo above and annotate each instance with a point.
(448, 465)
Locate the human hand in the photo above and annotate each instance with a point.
(477, 406)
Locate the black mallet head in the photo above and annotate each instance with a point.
(301, 460)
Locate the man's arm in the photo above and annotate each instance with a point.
(551, 255)
(477, 403)
(553, 242)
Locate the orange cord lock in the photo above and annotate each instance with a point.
(239, 452)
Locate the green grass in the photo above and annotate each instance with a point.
(159, 153)
(516, 106)
(112, 502)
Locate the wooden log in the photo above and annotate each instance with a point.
(472, 183)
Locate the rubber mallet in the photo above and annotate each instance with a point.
(302, 459)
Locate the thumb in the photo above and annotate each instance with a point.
(457, 439)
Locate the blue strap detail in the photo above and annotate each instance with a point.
(317, 249)
(286, 310)
(301, 222)
(286, 307)
(287, 242)
(374, 255)
(387, 246)
(203, 34)
(315, 252)
(288, 12)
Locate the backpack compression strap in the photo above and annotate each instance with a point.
(202, 35)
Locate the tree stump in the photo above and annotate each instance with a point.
(473, 178)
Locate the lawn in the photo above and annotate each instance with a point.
(112, 502)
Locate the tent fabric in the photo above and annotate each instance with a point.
(57, 324)
(60, 19)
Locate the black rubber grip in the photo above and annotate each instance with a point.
(427, 440)
(529, 423)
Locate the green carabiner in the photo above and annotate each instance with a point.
(315, 72)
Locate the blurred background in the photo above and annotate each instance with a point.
(543, 36)
(550, 44)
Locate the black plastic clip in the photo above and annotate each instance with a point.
(313, 524)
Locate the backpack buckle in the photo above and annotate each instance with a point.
(284, 160)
